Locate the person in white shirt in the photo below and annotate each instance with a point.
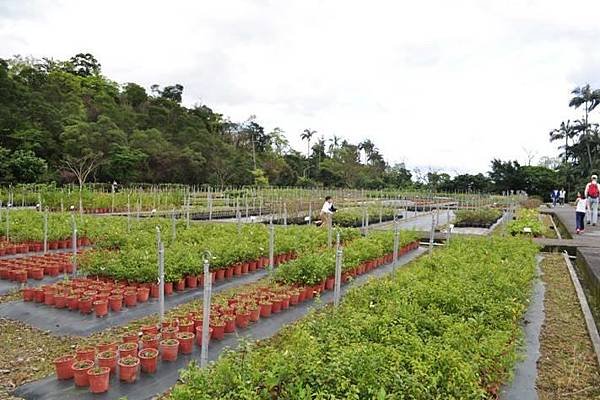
(581, 206)
(561, 195)
(327, 211)
(592, 192)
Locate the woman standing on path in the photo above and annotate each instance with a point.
(581, 206)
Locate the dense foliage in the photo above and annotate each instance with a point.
(444, 328)
(527, 218)
(477, 216)
(61, 116)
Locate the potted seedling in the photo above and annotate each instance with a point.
(80, 369)
(128, 369)
(149, 360)
(169, 349)
(98, 378)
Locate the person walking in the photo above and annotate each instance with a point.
(561, 197)
(327, 212)
(554, 196)
(581, 206)
(592, 192)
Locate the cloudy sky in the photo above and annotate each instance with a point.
(436, 84)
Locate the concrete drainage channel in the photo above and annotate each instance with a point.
(149, 385)
(72, 323)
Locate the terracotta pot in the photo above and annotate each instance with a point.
(85, 353)
(149, 360)
(73, 302)
(218, 332)
(63, 366)
(242, 320)
(186, 342)
(294, 298)
(150, 341)
(180, 285)
(301, 295)
(85, 305)
(229, 273)
(80, 369)
(36, 273)
(142, 294)
(309, 293)
(230, 325)
(130, 298)
(60, 301)
(150, 330)
(169, 349)
(330, 283)
(38, 295)
(128, 350)
(245, 268)
(220, 274)
(104, 346)
(237, 269)
(154, 291)
(191, 281)
(49, 298)
(252, 265)
(101, 308)
(28, 294)
(170, 332)
(285, 302)
(98, 379)
(255, 314)
(128, 369)
(168, 288)
(116, 302)
(199, 335)
(108, 359)
(276, 306)
(130, 337)
(265, 310)
(186, 326)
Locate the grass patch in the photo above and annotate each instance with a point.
(567, 368)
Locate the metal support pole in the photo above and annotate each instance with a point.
(206, 309)
(396, 241)
(238, 216)
(128, 214)
(431, 233)
(329, 230)
(46, 231)
(284, 214)
(161, 276)
(8, 221)
(310, 212)
(271, 246)
(338, 273)
(187, 211)
(74, 245)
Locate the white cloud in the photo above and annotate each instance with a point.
(433, 83)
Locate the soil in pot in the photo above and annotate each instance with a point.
(149, 360)
(186, 342)
(80, 369)
(128, 369)
(98, 378)
(169, 349)
(128, 350)
(108, 358)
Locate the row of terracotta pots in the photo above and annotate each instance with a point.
(9, 248)
(35, 267)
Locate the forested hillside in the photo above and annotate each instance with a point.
(61, 119)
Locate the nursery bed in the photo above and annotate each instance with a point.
(63, 322)
(149, 386)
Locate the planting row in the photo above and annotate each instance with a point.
(92, 366)
(527, 221)
(99, 295)
(36, 267)
(477, 217)
(349, 217)
(11, 248)
(445, 327)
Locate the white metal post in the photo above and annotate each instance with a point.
(271, 245)
(396, 242)
(46, 231)
(173, 226)
(74, 245)
(206, 309)
(338, 272)
(431, 233)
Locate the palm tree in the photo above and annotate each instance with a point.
(334, 143)
(307, 134)
(590, 99)
(368, 147)
(566, 131)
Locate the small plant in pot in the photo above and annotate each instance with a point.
(218, 326)
(108, 359)
(128, 369)
(98, 378)
(186, 342)
(149, 360)
(127, 349)
(170, 332)
(63, 366)
(85, 353)
(150, 341)
(80, 369)
(169, 349)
